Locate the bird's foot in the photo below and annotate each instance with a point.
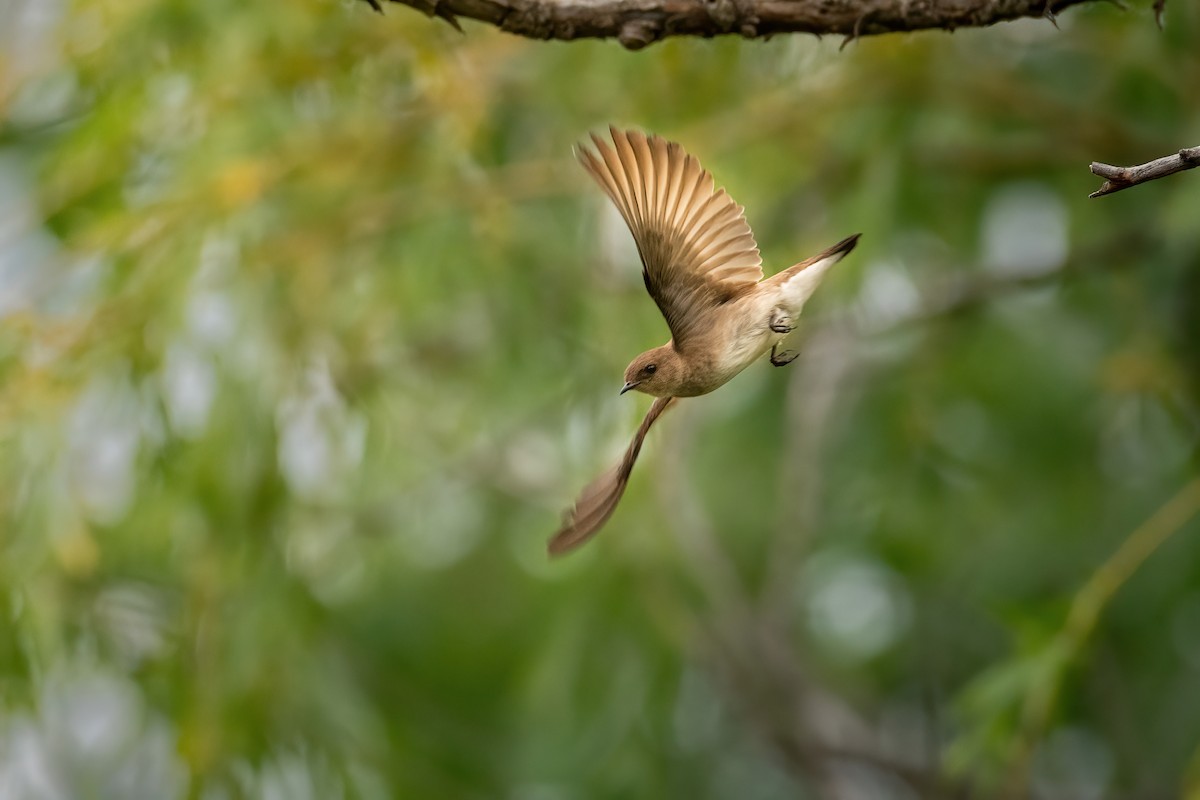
(781, 322)
(781, 358)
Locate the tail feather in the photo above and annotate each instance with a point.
(799, 281)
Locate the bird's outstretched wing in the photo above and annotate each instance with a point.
(599, 499)
(697, 250)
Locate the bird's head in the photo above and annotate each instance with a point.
(657, 372)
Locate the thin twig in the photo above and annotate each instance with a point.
(1118, 178)
(1090, 602)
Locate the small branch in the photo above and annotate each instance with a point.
(637, 23)
(1087, 606)
(1118, 178)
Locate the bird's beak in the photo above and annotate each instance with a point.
(629, 385)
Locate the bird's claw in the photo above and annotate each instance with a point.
(781, 358)
(781, 322)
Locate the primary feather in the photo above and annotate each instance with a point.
(697, 249)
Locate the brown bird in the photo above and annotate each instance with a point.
(701, 265)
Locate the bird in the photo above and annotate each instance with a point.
(702, 268)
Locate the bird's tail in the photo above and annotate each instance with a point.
(801, 280)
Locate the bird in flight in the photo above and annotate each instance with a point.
(701, 266)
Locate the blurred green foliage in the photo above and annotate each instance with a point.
(310, 327)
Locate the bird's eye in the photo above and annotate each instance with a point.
(650, 369)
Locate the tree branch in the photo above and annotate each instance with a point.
(1118, 178)
(637, 23)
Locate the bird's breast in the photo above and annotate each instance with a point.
(747, 346)
(738, 338)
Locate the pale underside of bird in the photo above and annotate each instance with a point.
(702, 267)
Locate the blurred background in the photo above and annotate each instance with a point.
(310, 329)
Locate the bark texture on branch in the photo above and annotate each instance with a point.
(637, 23)
(1118, 178)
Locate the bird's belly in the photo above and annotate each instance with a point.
(747, 346)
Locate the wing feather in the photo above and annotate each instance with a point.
(697, 249)
(599, 499)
